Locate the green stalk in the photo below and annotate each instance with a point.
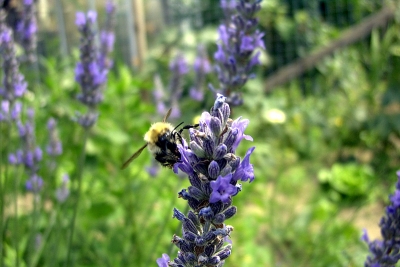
(81, 164)
(16, 224)
(33, 229)
(46, 235)
(164, 225)
(3, 183)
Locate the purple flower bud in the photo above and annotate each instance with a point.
(13, 159)
(38, 154)
(196, 94)
(208, 145)
(80, 19)
(215, 126)
(197, 150)
(206, 213)
(179, 215)
(196, 193)
(230, 212)
(219, 101)
(220, 151)
(190, 236)
(34, 183)
(213, 170)
(16, 111)
(223, 254)
(188, 226)
(91, 16)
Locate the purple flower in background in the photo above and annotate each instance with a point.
(178, 67)
(213, 171)
(159, 95)
(88, 72)
(153, 169)
(201, 67)
(34, 183)
(54, 147)
(13, 84)
(27, 30)
(62, 193)
(107, 37)
(238, 39)
(170, 97)
(163, 261)
(29, 155)
(386, 252)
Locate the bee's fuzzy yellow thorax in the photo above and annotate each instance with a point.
(156, 130)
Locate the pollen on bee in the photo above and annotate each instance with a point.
(156, 130)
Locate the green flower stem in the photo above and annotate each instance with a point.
(3, 183)
(81, 164)
(34, 229)
(164, 225)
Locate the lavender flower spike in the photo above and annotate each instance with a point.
(386, 253)
(88, 72)
(54, 147)
(27, 30)
(213, 170)
(107, 37)
(201, 67)
(13, 84)
(238, 41)
(178, 67)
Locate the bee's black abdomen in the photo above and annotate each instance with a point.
(169, 153)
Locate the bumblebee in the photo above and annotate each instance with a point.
(161, 140)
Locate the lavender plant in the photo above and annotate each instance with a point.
(27, 29)
(13, 84)
(201, 67)
(88, 72)
(107, 37)
(91, 74)
(386, 252)
(178, 68)
(30, 154)
(238, 39)
(214, 171)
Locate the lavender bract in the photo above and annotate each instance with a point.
(386, 252)
(213, 169)
(238, 39)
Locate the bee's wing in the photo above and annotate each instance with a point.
(134, 156)
(166, 116)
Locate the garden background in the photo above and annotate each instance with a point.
(324, 115)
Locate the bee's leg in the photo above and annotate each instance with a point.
(186, 127)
